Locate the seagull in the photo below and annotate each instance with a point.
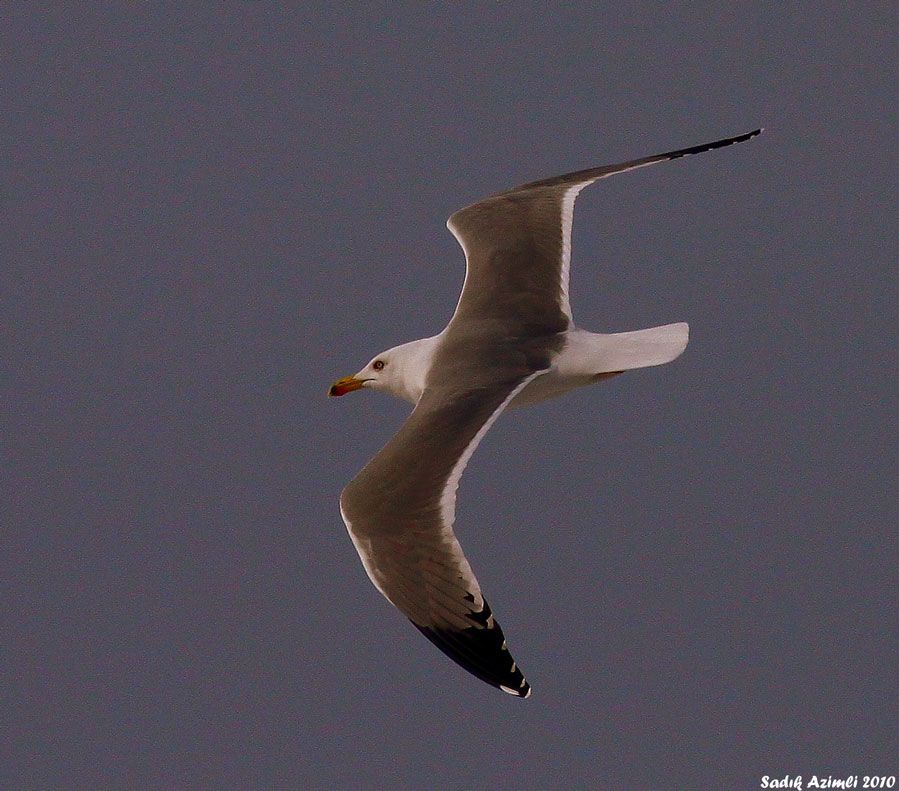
(510, 342)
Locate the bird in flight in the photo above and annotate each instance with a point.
(511, 341)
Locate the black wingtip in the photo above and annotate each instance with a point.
(749, 135)
(592, 174)
(482, 651)
(726, 141)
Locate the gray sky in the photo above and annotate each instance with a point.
(212, 211)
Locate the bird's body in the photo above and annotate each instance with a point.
(511, 342)
(584, 358)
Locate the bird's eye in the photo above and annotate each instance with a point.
(378, 365)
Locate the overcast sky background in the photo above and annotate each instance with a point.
(213, 210)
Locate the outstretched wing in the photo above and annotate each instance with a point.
(399, 511)
(517, 245)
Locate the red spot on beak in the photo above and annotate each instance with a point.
(345, 385)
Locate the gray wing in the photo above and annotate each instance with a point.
(399, 511)
(517, 245)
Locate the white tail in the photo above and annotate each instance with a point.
(624, 351)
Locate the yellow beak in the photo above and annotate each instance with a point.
(345, 385)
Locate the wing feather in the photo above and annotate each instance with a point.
(400, 511)
(517, 244)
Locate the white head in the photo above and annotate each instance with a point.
(400, 371)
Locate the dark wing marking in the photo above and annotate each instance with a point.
(481, 649)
